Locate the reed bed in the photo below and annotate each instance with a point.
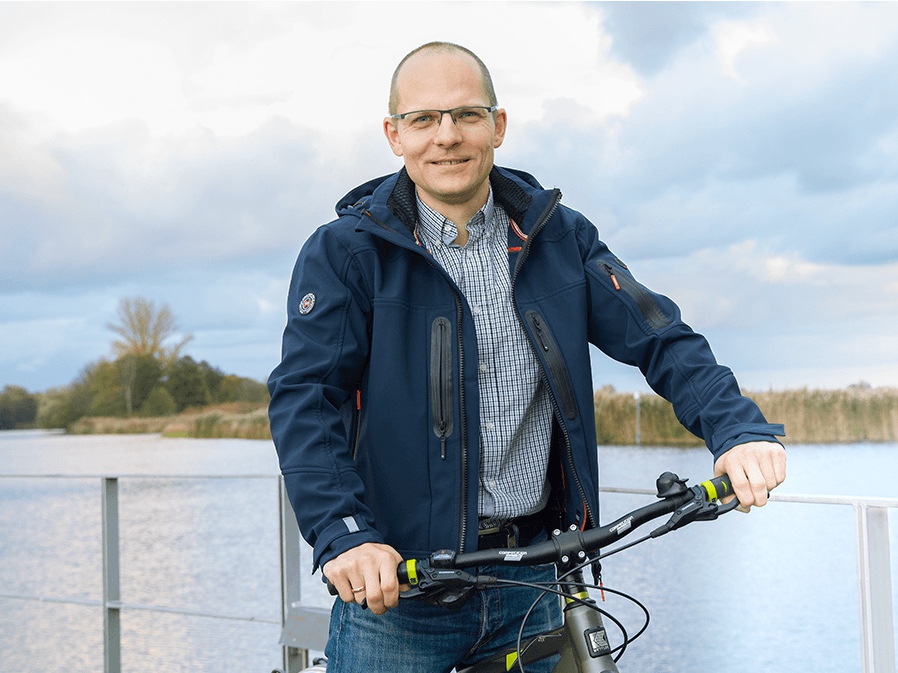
(855, 414)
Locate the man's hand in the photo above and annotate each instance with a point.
(366, 572)
(755, 469)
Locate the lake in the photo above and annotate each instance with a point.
(774, 590)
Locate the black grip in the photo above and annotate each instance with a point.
(718, 487)
(402, 572)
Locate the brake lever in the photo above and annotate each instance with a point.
(696, 509)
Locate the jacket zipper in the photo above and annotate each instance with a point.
(441, 381)
(556, 365)
(540, 223)
(358, 423)
(647, 305)
(463, 429)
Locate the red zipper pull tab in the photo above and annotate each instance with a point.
(610, 271)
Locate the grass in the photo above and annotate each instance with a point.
(239, 420)
(856, 414)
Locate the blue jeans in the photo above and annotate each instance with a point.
(417, 637)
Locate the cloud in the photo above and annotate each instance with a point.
(649, 36)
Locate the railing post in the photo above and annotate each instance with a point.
(295, 659)
(112, 632)
(874, 575)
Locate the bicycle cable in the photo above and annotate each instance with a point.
(549, 588)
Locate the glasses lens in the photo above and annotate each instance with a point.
(469, 115)
(422, 120)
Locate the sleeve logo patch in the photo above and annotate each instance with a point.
(306, 304)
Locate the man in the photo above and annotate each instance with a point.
(435, 389)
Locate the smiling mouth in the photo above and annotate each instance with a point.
(450, 162)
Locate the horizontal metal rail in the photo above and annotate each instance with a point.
(146, 607)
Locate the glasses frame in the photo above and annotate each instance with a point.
(451, 112)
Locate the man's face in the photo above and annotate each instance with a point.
(450, 165)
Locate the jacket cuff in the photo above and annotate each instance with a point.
(340, 536)
(748, 432)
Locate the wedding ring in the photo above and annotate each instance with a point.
(361, 588)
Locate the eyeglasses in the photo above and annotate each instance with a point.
(429, 120)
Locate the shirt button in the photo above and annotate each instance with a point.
(489, 425)
(476, 310)
(484, 368)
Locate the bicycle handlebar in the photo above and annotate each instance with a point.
(686, 504)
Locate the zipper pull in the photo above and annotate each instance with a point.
(537, 325)
(610, 271)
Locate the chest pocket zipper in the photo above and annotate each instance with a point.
(441, 380)
(557, 371)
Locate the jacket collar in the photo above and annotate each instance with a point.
(507, 193)
(391, 201)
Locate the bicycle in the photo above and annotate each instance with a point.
(582, 641)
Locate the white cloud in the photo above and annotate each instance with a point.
(733, 38)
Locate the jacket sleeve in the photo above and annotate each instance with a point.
(313, 397)
(636, 326)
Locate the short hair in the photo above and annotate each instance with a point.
(445, 47)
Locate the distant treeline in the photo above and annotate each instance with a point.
(856, 414)
(193, 399)
(132, 386)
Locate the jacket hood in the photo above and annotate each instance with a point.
(515, 190)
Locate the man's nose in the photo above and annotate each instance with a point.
(447, 129)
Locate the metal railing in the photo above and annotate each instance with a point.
(304, 628)
(112, 602)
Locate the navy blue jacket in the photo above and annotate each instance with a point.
(374, 406)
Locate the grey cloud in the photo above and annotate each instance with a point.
(207, 202)
(809, 168)
(647, 35)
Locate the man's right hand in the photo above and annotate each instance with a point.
(367, 572)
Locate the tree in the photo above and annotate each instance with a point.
(158, 403)
(185, 382)
(138, 375)
(18, 408)
(144, 329)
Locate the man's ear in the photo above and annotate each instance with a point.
(501, 126)
(392, 134)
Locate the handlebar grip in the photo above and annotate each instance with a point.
(406, 572)
(718, 487)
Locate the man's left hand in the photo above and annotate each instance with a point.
(754, 469)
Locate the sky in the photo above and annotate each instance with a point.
(741, 158)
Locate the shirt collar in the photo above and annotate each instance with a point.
(437, 227)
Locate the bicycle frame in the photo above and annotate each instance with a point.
(581, 641)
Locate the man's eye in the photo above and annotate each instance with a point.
(470, 115)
